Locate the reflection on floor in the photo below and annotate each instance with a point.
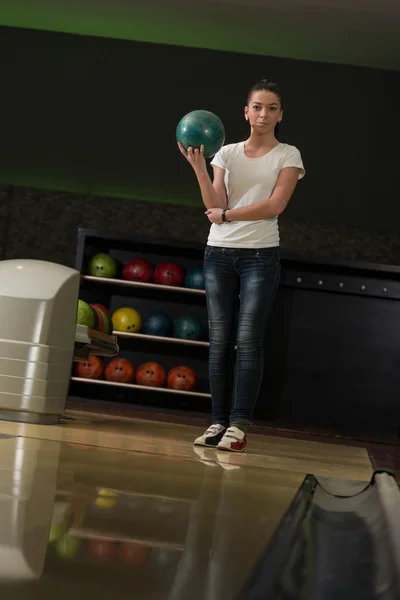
(100, 507)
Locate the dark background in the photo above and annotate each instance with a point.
(88, 139)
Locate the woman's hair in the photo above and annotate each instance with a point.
(265, 86)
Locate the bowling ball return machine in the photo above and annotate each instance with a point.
(39, 339)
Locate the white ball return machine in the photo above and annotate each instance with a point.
(39, 339)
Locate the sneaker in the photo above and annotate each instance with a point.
(234, 440)
(211, 437)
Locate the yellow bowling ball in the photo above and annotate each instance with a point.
(127, 319)
(106, 498)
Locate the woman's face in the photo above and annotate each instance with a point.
(263, 111)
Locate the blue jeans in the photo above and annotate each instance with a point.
(241, 285)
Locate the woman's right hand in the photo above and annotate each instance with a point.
(194, 157)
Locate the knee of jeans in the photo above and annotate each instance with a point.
(249, 341)
(220, 334)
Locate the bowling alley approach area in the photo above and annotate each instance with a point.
(103, 390)
(102, 506)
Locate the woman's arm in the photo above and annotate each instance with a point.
(213, 194)
(272, 206)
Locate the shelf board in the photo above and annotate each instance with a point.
(138, 284)
(141, 387)
(159, 338)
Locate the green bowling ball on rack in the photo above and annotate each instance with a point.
(194, 278)
(187, 328)
(102, 265)
(85, 315)
(158, 324)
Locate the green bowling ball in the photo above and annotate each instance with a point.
(187, 328)
(86, 315)
(201, 127)
(102, 265)
(68, 547)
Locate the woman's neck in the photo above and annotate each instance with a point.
(257, 141)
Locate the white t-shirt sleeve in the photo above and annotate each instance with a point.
(293, 159)
(219, 159)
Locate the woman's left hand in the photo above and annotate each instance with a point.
(214, 215)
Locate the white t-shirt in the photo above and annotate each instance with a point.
(250, 180)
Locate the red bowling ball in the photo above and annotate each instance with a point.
(134, 554)
(102, 551)
(138, 269)
(182, 378)
(102, 307)
(169, 273)
(151, 374)
(90, 369)
(120, 370)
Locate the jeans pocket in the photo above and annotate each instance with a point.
(208, 251)
(269, 256)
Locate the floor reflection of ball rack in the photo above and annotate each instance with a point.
(92, 534)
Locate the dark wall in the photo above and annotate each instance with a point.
(43, 225)
(99, 115)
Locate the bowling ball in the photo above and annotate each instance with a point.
(194, 278)
(100, 319)
(201, 127)
(108, 325)
(169, 273)
(104, 324)
(133, 554)
(120, 370)
(103, 308)
(157, 324)
(85, 314)
(102, 265)
(138, 269)
(127, 319)
(90, 369)
(182, 378)
(151, 374)
(102, 550)
(106, 498)
(187, 328)
(61, 521)
(68, 546)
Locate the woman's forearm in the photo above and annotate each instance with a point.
(259, 211)
(210, 196)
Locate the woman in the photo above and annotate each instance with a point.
(252, 185)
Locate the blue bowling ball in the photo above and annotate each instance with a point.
(187, 328)
(157, 324)
(195, 278)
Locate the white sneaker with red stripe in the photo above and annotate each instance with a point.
(211, 437)
(234, 440)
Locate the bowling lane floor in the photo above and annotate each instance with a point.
(108, 507)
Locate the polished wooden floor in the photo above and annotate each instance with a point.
(100, 507)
